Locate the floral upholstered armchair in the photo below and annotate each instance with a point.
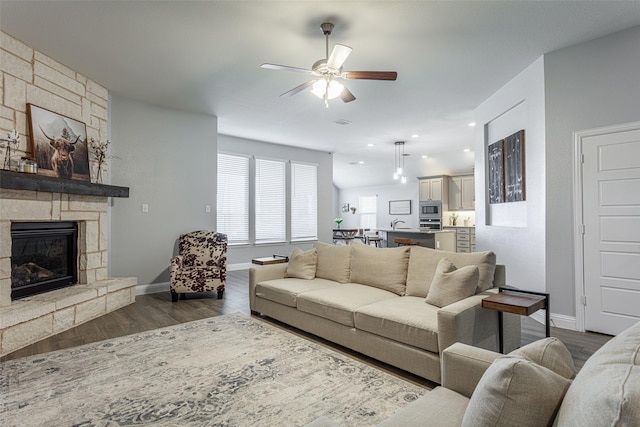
(201, 264)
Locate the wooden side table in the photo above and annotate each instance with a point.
(515, 301)
(274, 259)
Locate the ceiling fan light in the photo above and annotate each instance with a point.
(333, 89)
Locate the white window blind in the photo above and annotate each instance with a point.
(304, 201)
(233, 197)
(270, 201)
(368, 211)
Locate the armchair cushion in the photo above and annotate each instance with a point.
(550, 353)
(515, 391)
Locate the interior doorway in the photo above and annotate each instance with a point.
(608, 219)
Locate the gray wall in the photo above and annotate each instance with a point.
(590, 85)
(515, 231)
(168, 159)
(244, 253)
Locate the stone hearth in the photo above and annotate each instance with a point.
(28, 320)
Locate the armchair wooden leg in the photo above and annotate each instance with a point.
(174, 296)
(220, 293)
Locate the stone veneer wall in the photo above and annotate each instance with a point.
(28, 76)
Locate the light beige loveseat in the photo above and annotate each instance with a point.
(402, 306)
(533, 386)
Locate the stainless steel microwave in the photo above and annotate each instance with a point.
(431, 209)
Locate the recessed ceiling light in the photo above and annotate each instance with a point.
(466, 150)
(472, 124)
(424, 156)
(371, 145)
(361, 162)
(415, 135)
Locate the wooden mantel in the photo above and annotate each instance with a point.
(26, 181)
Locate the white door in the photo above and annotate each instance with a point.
(611, 242)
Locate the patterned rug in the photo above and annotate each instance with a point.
(230, 370)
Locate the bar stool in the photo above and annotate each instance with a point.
(401, 241)
(374, 239)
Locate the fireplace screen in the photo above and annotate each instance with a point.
(43, 257)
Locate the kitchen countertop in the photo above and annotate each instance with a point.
(414, 230)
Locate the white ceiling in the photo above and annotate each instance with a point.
(205, 56)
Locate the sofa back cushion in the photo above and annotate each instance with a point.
(384, 268)
(334, 262)
(302, 264)
(424, 261)
(515, 392)
(606, 391)
(451, 284)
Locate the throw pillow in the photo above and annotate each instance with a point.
(302, 264)
(384, 268)
(450, 284)
(334, 262)
(550, 353)
(515, 392)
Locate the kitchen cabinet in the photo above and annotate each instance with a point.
(462, 193)
(436, 188)
(465, 238)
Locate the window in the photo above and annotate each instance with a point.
(270, 198)
(368, 211)
(304, 201)
(233, 197)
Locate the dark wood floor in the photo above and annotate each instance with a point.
(157, 311)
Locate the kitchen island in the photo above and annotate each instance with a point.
(434, 239)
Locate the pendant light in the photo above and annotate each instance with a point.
(399, 162)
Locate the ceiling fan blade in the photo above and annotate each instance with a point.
(298, 88)
(339, 54)
(370, 75)
(347, 96)
(287, 68)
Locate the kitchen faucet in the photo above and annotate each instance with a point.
(396, 222)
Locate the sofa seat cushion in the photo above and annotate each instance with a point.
(406, 319)
(338, 303)
(286, 291)
(440, 407)
(606, 391)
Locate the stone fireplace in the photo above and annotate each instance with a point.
(27, 320)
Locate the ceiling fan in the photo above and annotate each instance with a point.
(328, 70)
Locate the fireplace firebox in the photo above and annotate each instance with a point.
(44, 257)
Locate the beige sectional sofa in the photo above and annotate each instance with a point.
(535, 385)
(402, 306)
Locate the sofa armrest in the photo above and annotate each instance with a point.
(467, 322)
(262, 274)
(463, 366)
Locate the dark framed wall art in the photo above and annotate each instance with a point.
(496, 172)
(514, 167)
(58, 144)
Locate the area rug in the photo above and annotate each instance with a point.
(231, 370)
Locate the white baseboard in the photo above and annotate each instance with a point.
(557, 320)
(152, 288)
